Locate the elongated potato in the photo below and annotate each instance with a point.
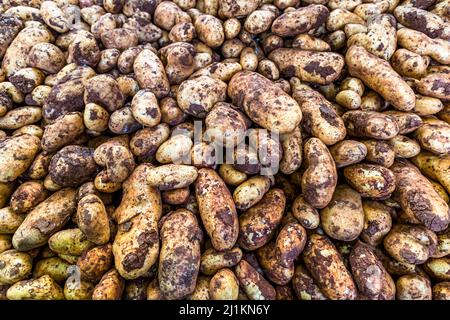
(179, 259)
(45, 219)
(217, 209)
(328, 270)
(371, 180)
(55, 267)
(320, 178)
(253, 283)
(136, 243)
(14, 266)
(213, 260)
(93, 220)
(150, 73)
(300, 21)
(377, 74)
(110, 287)
(43, 288)
(304, 286)
(251, 191)
(172, 176)
(370, 124)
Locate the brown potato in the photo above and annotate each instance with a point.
(253, 283)
(291, 144)
(95, 262)
(304, 286)
(320, 178)
(380, 152)
(407, 122)
(27, 196)
(224, 285)
(372, 181)
(409, 64)
(179, 255)
(212, 260)
(150, 73)
(93, 220)
(328, 270)
(370, 124)
(377, 221)
(110, 287)
(299, 21)
(413, 287)
(435, 85)
(348, 152)
(63, 131)
(218, 213)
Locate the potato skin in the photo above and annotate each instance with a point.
(371, 180)
(150, 73)
(110, 287)
(328, 270)
(43, 288)
(343, 218)
(179, 259)
(95, 262)
(213, 260)
(224, 285)
(413, 287)
(372, 279)
(63, 131)
(14, 266)
(253, 283)
(348, 152)
(377, 221)
(172, 176)
(27, 196)
(136, 243)
(377, 74)
(370, 124)
(251, 191)
(45, 219)
(16, 155)
(320, 178)
(71, 242)
(434, 136)
(93, 220)
(417, 198)
(300, 21)
(311, 66)
(55, 267)
(304, 286)
(217, 209)
(257, 224)
(264, 103)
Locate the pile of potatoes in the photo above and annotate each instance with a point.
(106, 193)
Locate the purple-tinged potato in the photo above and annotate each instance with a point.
(413, 287)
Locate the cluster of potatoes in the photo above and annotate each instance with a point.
(106, 195)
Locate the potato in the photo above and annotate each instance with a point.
(370, 69)
(413, 287)
(348, 152)
(306, 42)
(44, 220)
(150, 73)
(10, 220)
(224, 285)
(251, 191)
(110, 287)
(43, 288)
(172, 176)
(260, 20)
(327, 268)
(435, 85)
(179, 255)
(72, 242)
(380, 152)
(277, 258)
(136, 289)
(265, 103)
(304, 286)
(236, 8)
(317, 67)
(319, 117)
(95, 262)
(231, 176)
(377, 221)
(409, 64)
(343, 218)
(5, 242)
(417, 197)
(11, 25)
(339, 17)
(305, 214)
(433, 166)
(78, 289)
(372, 279)
(300, 21)
(258, 223)
(253, 283)
(218, 213)
(212, 260)
(14, 266)
(54, 267)
(372, 181)
(27, 196)
(407, 122)
(63, 131)
(370, 124)
(136, 243)
(16, 155)
(320, 178)
(93, 220)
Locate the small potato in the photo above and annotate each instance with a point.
(174, 150)
(27, 196)
(14, 266)
(328, 270)
(212, 260)
(304, 286)
(136, 289)
(108, 60)
(319, 117)
(110, 287)
(438, 269)
(71, 242)
(45, 219)
(343, 218)
(95, 262)
(172, 176)
(426, 106)
(171, 113)
(258, 224)
(231, 28)
(224, 285)
(410, 243)
(251, 191)
(32, 129)
(291, 144)
(413, 287)
(122, 121)
(370, 124)
(39, 167)
(377, 221)
(93, 220)
(209, 30)
(305, 213)
(348, 152)
(434, 135)
(176, 196)
(46, 57)
(434, 85)
(136, 243)
(11, 25)
(231, 176)
(20, 117)
(380, 152)
(179, 61)
(145, 108)
(373, 72)
(78, 289)
(63, 131)
(265, 103)
(434, 166)
(248, 59)
(410, 64)
(126, 59)
(43, 288)
(54, 17)
(218, 213)
(404, 147)
(306, 42)
(317, 67)
(5, 242)
(320, 178)
(184, 31)
(54, 267)
(372, 279)
(105, 91)
(146, 141)
(372, 181)
(16, 155)
(299, 21)
(253, 283)
(150, 73)
(179, 255)
(407, 122)
(198, 96)
(339, 17)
